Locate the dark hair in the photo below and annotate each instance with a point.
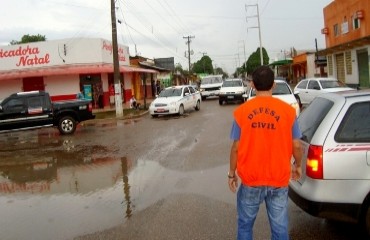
(263, 78)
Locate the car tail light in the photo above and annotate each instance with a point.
(314, 163)
(90, 107)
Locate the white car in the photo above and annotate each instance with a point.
(309, 88)
(210, 86)
(175, 100)
(282, 91)
(232, 90)
(335, 182)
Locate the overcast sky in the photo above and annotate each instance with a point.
(225, 30)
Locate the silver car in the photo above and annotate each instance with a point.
(309, 88)
(335, 182)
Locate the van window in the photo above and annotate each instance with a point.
(311, 118)
(211, 80)
(355, 126)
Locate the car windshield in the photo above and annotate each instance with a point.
(331, 84)
(171, 92)
(280, 89)
(232, 84)
(211, 80)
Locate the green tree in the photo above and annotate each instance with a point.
(204, 65)
(178, 69)
(219, 70)
(29, 38)
(254, 60)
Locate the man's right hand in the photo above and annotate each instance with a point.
(233, 183)
(296, 172)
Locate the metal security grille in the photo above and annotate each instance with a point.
(340, 67)
(330, 65)
(348, 62)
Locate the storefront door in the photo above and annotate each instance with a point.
(33, 84)
(363, 67)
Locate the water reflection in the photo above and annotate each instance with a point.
(126, 165)
(78, 195)
(64, 184)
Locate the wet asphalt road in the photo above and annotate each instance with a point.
(132, 179)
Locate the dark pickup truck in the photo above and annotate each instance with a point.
(34, 109)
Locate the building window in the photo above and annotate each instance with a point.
(348, 59)
(355, 22)
(336, 30)
(344, 29)
(330, 65)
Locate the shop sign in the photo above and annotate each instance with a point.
(26, 56)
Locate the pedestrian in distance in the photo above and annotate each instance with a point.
(80, 95)
(133, 103)
(265, 135)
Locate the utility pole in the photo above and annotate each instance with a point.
(259, 27)
(188, 43)
(117, 75)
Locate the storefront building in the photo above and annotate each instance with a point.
(65, 67)
(347, 37)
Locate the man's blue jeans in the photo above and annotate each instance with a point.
(248, 202)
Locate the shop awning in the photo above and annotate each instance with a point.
(281, 62)
(69, 70)
(345, 46)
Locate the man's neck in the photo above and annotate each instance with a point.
(264, 93)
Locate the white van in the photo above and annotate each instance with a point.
(210, 86)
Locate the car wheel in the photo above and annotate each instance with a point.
(203, 98)
(299, 101)
(181, 110)
(197, 107)
(67, 125)
(220, 102)
(154, 115)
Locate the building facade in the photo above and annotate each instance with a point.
(307, 65)
(347, 37)
(65, 67)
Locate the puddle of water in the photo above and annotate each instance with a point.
(84, 193)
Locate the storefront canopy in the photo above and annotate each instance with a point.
(281, 62)
(69, 70)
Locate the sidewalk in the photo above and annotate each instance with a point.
(109, 112)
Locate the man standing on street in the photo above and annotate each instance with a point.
(265, 136)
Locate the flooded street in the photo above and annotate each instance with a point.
(144, 178)
(62, 187)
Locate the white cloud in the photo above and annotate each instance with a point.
(158, 27)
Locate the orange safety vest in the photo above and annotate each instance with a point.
(266, 141)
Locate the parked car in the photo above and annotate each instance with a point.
(335, 182)
(232, 90)
(210, 86)
(282, 91)
(175, 100)
(34, 109)
(309, 88)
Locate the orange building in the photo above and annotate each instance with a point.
(347, 37)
